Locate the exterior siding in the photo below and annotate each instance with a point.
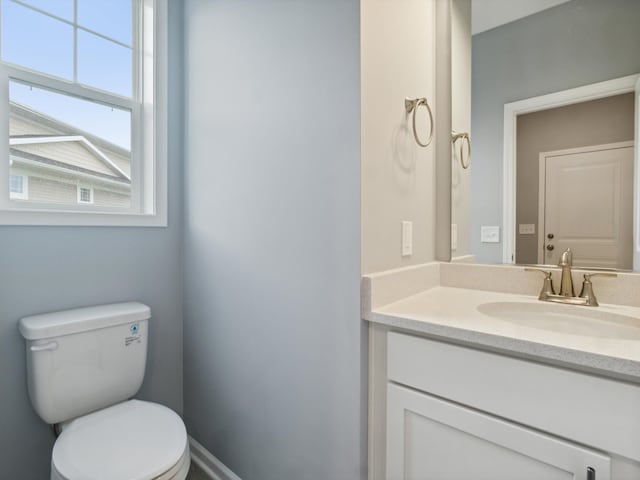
(19, 126)
(123, 162)
(72, 153)
(50, 191)
(111, 199)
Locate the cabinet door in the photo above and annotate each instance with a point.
(432, 439)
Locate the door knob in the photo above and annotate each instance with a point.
(550, 236)
(550, 247)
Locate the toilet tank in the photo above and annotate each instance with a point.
(82, 360)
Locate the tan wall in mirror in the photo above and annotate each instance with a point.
(606, 120)
(397, 61)
(461, 121)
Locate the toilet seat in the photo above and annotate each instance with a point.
(133, 440)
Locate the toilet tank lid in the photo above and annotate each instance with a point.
(78, 320)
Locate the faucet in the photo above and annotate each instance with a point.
(567, 293)
(566, 280)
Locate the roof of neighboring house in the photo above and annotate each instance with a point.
(37, 138)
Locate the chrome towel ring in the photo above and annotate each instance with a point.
(466, 139)
(411, 105)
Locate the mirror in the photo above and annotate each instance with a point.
(546, 92)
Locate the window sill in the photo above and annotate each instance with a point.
(34, 218)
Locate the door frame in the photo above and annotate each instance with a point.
(542, 181)
(562, 98)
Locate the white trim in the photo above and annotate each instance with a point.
(542, 195)
(71, 138)
(553, 100)
(636, 180)
(210, 465)
(28, 163)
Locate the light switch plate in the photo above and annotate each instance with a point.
(527, 229)
(407, 238)
(454, 236)
(490, 234)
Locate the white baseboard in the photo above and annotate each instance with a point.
(214, 468)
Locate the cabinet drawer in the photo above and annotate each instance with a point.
(591, 410)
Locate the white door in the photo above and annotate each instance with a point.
(432, 439)
(586, 204)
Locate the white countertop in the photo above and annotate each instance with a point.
(453, 314)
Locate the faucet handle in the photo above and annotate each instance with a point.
(546, 273)
(587, 287)
(588, 276)
(547, 285)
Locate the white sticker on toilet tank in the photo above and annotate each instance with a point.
(135, 336)
(132, 339)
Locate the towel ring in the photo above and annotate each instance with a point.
(467, 140)
(411, 105)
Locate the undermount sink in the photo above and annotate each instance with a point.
(568, 319)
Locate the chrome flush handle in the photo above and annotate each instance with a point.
(50, 346)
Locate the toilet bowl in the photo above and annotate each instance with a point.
(83, 368)
(133, 440)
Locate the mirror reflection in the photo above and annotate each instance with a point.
(546, 92)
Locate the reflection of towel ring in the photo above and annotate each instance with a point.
(465, 139)
(411, 105)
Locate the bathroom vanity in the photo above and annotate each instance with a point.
(494, 384)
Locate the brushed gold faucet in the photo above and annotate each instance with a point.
(566, 280)
(567, 294)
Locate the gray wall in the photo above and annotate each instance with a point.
(49, 268)
(273, 342)
(598, 122)
(577, 43)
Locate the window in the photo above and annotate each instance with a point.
(85, 195)
(85, 104)
(18, 187)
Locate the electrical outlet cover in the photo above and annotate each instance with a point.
(490, 234)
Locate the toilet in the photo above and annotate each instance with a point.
(83, 368)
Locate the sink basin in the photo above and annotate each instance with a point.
(568, 319)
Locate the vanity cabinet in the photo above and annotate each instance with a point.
(430, 438)
(447, 412)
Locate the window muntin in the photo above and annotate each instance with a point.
(107, 17)
(59, 8)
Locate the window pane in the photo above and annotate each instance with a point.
(108, 17)
(104, 64)
(60, 8)
(16, 184)
(36, 41)
(85, 195)
(60, 141)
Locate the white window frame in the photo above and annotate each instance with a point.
(24, 195)
(82, 202)
(149, 140)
